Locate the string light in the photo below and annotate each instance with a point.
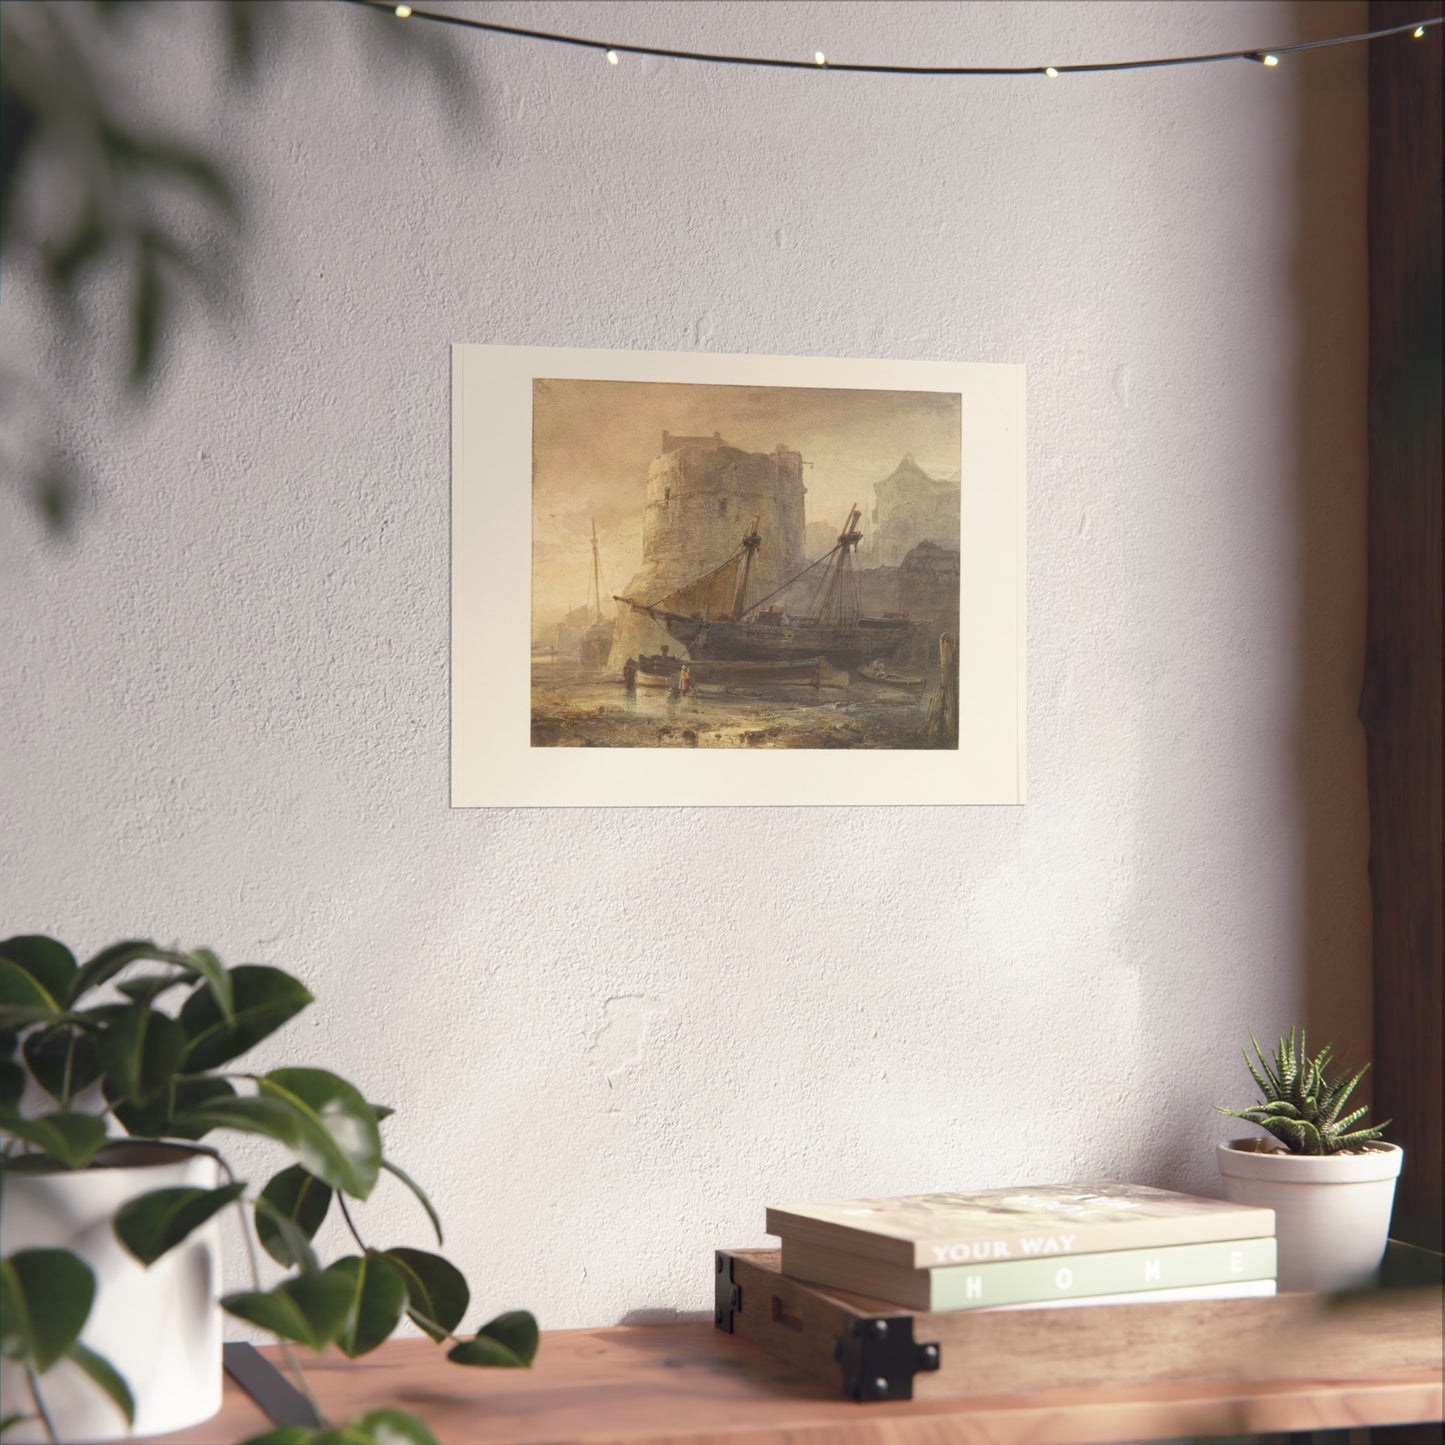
(1257, 54)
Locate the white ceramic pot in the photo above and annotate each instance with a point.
(1331, 1211)
(160, 1327)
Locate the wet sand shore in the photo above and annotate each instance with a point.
(572, 709)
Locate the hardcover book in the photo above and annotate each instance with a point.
(1033, 1281)
(925, 1231)
(1247, 1289)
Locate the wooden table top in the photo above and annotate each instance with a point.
(694, 1385)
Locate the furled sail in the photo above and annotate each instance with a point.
(711, 596)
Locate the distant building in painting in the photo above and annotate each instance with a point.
(911, 507)
(702, 496)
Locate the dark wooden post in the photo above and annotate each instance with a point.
(1400, 703)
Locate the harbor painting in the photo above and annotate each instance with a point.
(685, 578)
(743, 566)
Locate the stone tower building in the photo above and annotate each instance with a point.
(702, 496)
(912, 507)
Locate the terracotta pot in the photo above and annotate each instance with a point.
(1331, 1211)
(160, 1327)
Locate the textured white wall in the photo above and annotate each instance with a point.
(612, 1037)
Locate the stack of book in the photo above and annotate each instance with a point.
(1031, 1247)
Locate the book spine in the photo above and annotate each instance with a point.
(1137, 1234)
(1248, 1289)
(1030, 1281)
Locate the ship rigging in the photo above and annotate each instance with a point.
(714, 619)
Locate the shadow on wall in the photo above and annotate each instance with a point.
(1331, 306)
(1319, 813)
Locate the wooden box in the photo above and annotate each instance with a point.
(870, 1350)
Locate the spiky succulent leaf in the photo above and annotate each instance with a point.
(1360, 1136)
(1285, 1066)
(1299, 1105)
(1337, 1101)
(1338, 1126)
(1259, 1082)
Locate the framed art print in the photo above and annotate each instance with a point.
(683, 579)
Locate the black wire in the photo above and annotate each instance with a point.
(1257, 53)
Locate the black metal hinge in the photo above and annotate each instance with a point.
(880, 1358)
(727, 1296)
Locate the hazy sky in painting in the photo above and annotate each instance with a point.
(593, 442)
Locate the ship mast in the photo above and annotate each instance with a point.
(750, 547)
(596, 577)
(848, 539)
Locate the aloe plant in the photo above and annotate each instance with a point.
(1301, 1107)
(169, 1073)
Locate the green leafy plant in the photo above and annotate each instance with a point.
(1302, 1108)
(160, 1074)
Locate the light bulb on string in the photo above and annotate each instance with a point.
(1260, 57)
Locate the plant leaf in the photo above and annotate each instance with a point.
(14, 1323)
(141, 1051)
(392, 1427)
(11, 1421)
(1361, 1136)
(269, 1117)
(437, 1293)
(310, 1310)
(281, 1116)
(73, 1139)
(210, 968)
(148, 989)
(264, 998)
(186, 1094)
(12, 1086)
(416, 1189)
(104, 1374)
(50, 964)
(151, 1224)
(507, 1342)
(109, 962)
(46, 1296)
(23, 999)
(378, 1296)
(47, 1052)
(298, 1197)
(340, 1143)
(165, 1115)
(296, 1243)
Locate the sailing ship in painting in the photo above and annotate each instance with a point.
(720, 625)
